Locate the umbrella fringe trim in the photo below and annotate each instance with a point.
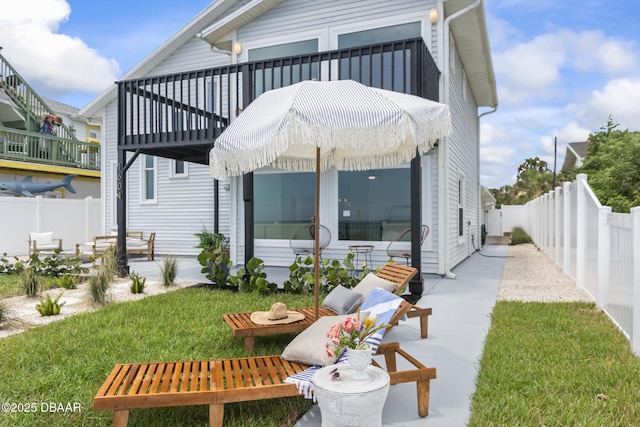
(280, 154)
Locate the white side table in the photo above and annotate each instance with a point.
(345, 402)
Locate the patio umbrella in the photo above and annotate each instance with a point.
(314, 126)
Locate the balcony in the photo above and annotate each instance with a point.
(179, 116)
(34, 147)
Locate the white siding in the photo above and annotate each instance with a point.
(463, 155)
(184, 206)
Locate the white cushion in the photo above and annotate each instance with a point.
(131, 242)
(42, 238)
(309, 346)
(371, 281)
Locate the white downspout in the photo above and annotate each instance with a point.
(443, 161)
(480, 205)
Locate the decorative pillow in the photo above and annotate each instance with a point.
(343, 300)
(42, 238)
(309, 347)
(371, 281)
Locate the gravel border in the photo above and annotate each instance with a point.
(531, 275)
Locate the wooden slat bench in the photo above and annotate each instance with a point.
(216, 382)
(242, 326)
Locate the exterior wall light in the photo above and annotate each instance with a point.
(237, 48)
(433, 15)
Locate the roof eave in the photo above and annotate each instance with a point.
(472, 40)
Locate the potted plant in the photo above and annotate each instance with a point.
(215, 257)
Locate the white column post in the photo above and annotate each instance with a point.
(557, 225)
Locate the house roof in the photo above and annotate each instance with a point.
(224, 16)
(472, 40)
(576, 152)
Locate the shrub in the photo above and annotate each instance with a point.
(67, 281)
(99, 285)
(519, 236)
(30, 282)
(252, 278)
(137, 283)
(169, 271)
(6, 315)
(49, 307)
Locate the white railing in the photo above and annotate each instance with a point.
(72, 220)
(598, 249)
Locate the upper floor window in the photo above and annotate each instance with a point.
(388, 70)
(275, 77)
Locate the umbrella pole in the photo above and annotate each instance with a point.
(316, 243)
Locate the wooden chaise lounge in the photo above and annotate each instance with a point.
(242, 326)
(216, 382)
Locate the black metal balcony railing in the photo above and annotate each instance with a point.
(48, 149)
(180, 115)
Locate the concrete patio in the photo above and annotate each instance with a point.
(457, 330)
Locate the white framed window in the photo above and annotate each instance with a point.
(179, 169)
(461, 205)
(149, 180)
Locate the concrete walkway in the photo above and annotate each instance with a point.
(457, 330)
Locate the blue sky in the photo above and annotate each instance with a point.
(562, 66)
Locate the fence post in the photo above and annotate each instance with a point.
(635, 253)
(557, 226)
(87, 218)
(550, 222)
(580, 230)
(566, 227)
(604, 256)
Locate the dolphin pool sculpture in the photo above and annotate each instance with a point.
(30, 189)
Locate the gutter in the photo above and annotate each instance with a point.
(443, 161)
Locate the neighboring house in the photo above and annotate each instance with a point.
(72, 146)
(161, 120)
(576, 152)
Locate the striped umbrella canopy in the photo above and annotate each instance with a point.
(314, 126)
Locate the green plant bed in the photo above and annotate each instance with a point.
(555, 364)
(81, 350)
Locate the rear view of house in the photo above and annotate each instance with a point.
(164, 116)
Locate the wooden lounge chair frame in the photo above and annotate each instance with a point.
(242, 326)
(147, 247)
(216, 382)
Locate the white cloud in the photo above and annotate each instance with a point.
(535, 69)
(46, 58)
(619, 99)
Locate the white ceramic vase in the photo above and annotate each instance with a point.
(358, 361)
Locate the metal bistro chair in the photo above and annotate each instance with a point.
(397, 247)
(302, 240)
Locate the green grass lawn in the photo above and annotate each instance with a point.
(68, 360)
(556, 364)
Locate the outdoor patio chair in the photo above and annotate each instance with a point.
(137, 244)
(396, 275)
(216, 382)
(398, 248)
(303, 238)
(43, 242)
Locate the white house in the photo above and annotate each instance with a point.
(161, 120)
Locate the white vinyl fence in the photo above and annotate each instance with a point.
(598, 249)
(72, 220)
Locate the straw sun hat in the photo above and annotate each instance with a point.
(277, 315)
